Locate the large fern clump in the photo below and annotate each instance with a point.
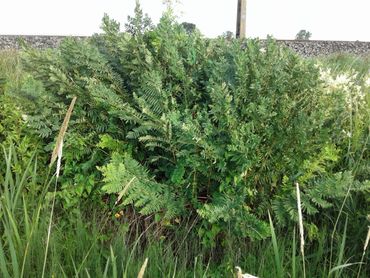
(183, 126)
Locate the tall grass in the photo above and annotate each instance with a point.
(20, 217)
(78, 248)
(94, 244)
(10, 69)
(344, 62)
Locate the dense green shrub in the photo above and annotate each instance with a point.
(184, 126)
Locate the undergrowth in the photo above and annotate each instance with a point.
(178, 150)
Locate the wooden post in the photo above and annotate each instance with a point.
(241, 19)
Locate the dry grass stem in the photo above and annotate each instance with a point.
(57, 153)
(301, 231)
(123, 192)
(364, 252)
(59, 144)
(142, 269)
(59, 161)
(300, 218)
(367, 239)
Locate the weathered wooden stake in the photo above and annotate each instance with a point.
(241, 19)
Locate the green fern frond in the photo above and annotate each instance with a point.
(126, 177)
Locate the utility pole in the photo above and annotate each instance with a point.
(241, 19)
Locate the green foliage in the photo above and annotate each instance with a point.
(11, 122)
(181, 126)
(320, 193)
(189, 27)
(71, 71)
(140, 23)
(127, 177)
(303, 35)
(228, 35)
(92, 245)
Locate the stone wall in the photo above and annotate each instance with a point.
(304, 48)
(318, 48)
(41, 42)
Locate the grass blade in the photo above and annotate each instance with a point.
(3, 260)
(114, 263)
(13, 253)
(340, 254)
(342, 245)
(341, 267)
(278, 262)
(294, 250)
(105, 274)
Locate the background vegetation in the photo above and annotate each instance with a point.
(177, 149)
